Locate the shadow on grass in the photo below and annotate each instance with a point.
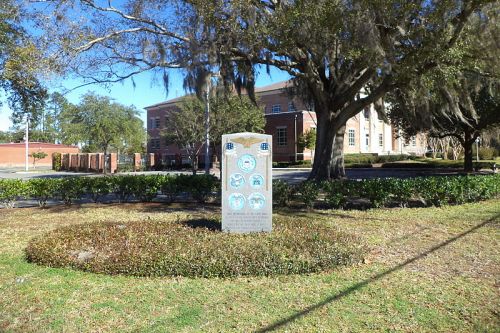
(210, 224)
(372, 279)
(190, 207)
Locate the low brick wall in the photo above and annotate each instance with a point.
(94, 162)
(13, 154)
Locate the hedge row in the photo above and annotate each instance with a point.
(435, 164)
(141, 187)
(431, 191)
(352, 161)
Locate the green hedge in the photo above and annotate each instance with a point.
(433, 164)
(351, 161)
(144, 188)
(432, 191)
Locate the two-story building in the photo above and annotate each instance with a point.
(287, 118)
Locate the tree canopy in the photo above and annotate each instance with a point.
(333, 49)
(460, 97)
(101, 125)
(20, 63)
(233, 114)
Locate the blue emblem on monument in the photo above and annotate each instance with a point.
(237, 180)
(256, 201)
(236, 201)
(229, 146)
(256, 181)
(247, 163)
(264, 146)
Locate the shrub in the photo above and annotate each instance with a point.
(69, 189)
(282, 193)
(487, 153)
(336, 193)
(202, 187)
(124, 187)
(166, 248)
(307, 192)
(146, 188)
(42, 189)
(11, 190)
(378, 191)
(402, 190)
(56, 161)
(97, 187)
(170, 187)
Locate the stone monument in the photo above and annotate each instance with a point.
(247, 204)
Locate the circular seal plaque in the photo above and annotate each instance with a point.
(256, 201)
(256, 181)
(247, 163)
(236, 201)
(237, 180)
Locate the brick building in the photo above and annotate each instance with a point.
(287, 118)
(13, 154)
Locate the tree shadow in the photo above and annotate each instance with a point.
(379, 276)
(210, 224)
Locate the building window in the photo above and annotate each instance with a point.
(291, 107)
(414, 141)
(276, 108)
(352, 138)
(157, 122)
(281, 136)
(367, 139)
(366, 113)
(380, 140)
(155, 143)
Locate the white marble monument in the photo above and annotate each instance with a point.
(247, 204)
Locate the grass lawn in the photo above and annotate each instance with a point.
(428, 270)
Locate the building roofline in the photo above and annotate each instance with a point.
(270, 87)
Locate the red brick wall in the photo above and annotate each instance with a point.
(13, 154)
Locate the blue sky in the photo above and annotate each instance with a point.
(142, 95)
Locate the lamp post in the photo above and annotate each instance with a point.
(295, 137)
(207, 128)
(26, 142)
(477, 148)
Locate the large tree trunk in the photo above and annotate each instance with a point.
(324, 148)
(468, 166)
(194, 163)
(469, 139)
(338, 170)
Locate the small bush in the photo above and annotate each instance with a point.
(124, 187)
(487, 153)
(402, 190)
(307, 192)
(42, 189)
(97, 187)
(163, 248)
(282, 193)
(12, 190)
(336, 193)
(146, 188)
(56, 161)
(69, 189)
(170, 188)
(378, 191)
(202, 187)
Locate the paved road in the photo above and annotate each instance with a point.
(290, 175)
